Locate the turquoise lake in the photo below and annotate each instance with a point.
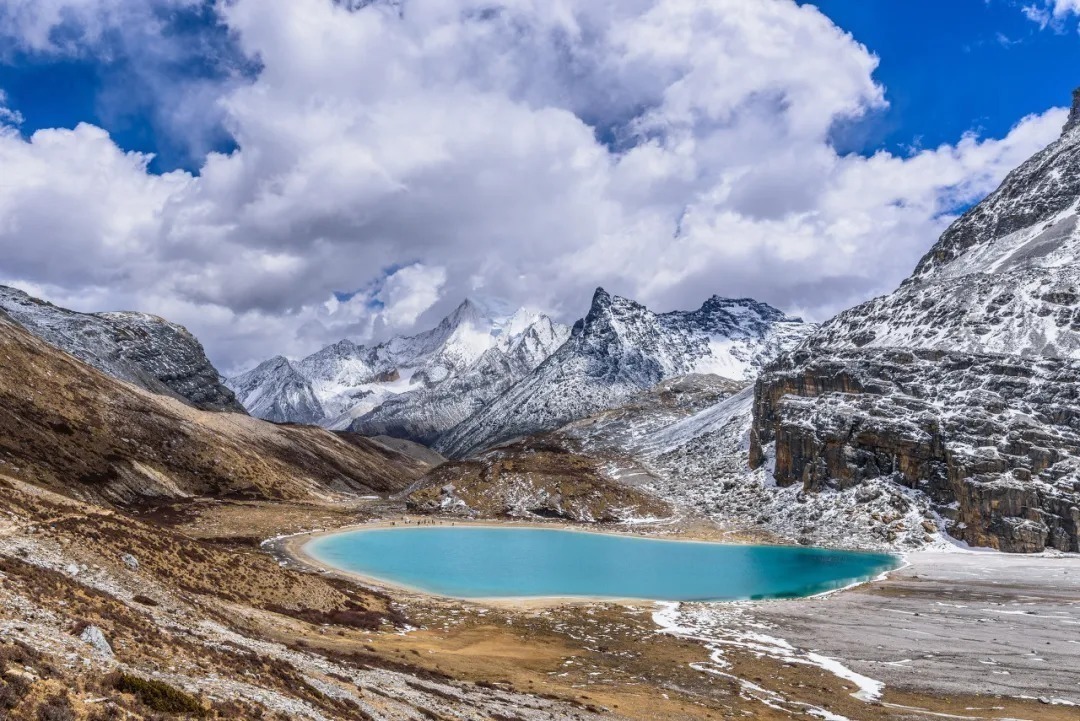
(483, 562)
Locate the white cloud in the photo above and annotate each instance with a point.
(1062, 8)
(8, 117)
(1051, 13)
(535, 149)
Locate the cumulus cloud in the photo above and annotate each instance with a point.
(666, 149)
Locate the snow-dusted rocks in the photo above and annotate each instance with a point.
(426, 413)
(964, 384)
(412, 387)
(142, 349)
(275, 391)
(1003, 278)
(620, 349)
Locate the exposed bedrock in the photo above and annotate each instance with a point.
(993, 440)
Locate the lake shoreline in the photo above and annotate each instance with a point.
(294, 549)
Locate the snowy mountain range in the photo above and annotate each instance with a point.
(621, 348)
(419, 385)
(139, 348)
(482, 376)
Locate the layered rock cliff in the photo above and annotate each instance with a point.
(992, 440)
(964, 384)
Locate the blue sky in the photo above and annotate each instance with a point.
(374, 166)
(952, 66)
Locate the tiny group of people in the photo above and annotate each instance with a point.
(422, 522)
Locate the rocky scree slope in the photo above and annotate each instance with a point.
(620, 349)
(65, 425)
(533, 478)
(411, 387)
(148, 351)
(979, 411)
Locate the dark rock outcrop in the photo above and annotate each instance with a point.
(993, 440)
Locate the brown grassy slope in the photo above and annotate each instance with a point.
(67, 426)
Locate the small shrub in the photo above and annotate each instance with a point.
(158, 695)
(13, 689)
(56, 708)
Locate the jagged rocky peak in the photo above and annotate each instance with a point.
(621, 348)
(1074, 112)
(276, 391)
(139, 348)
(353, 381)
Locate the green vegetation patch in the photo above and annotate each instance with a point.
(159, 696)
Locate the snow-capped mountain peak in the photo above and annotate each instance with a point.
(275, 391)
(621, 348)
(351, 380)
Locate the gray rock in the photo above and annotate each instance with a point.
(964, 384)
(130, 561)
(96, 638)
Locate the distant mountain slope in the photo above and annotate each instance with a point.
(148, 351)
(482, 346)
(424, 414)
(275, 391)
(67, 426)
(618, 350)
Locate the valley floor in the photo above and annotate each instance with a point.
(953, 635)
(960, 634)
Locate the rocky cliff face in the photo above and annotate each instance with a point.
(148, 351)
(962, 385)
(993, 441)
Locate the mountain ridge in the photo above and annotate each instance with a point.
(139, 348)
(619, 349)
